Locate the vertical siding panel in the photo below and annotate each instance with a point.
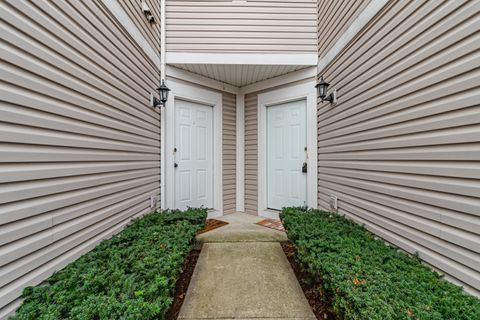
(79, 145)
(250, 26)
(400, 149)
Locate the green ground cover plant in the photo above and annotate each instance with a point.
(365, 278)
(130, 276)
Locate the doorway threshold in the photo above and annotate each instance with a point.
(270, 214)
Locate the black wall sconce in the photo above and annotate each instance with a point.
(163, 91)
(147, 12)
(322, 87)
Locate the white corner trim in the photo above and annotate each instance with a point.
(163, 39)
(203, 96)
(306, 91)
(302, 74)
(240, 153)
(357, 25)
(132, 29)
(201, 80)
(163, 158)
(303, 59)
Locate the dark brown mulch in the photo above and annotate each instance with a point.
(321, 307)
(182, 284)
(212, 224)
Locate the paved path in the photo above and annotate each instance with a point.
(242, 273)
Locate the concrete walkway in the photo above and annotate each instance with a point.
(242, 273)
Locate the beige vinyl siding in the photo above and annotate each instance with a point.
(334, 18)
(401, 149)
(251, 154)
(241, 26)
(151, 31)
(79, 145)
(229, 152)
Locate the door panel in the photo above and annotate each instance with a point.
(286, 143)
(194, 155)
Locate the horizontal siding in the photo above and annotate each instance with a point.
(334, 18)
(251, 154)
(401, 148)
(80, 148)
(151, 31)
(237, 26)
(229, 152)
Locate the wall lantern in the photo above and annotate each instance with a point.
(322, 88)
(163, 91)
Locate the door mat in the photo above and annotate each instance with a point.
(272, 224)
(212, 224)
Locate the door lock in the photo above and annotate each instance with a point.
(304, 167)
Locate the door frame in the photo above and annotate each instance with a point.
(307, 92)
(181, 91)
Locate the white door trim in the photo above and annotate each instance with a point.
(306, 91)
(207, 97)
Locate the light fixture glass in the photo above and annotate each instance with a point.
(163, 91)
(322, 87)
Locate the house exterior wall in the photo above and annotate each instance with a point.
(241, 26)
(79, 145)
(400, 149)
(251, 154)
(151, 31)
(334, 18)
(229, 152)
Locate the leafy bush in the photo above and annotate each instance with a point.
(367, 279)
(130, 276)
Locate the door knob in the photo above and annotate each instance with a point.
(175, 165)
(304, 167)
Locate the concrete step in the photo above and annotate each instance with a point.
(242, 228)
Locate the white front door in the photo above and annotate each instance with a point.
(286, 154)
(193, 155)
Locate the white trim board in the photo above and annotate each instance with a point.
(306, 91)
(357, 25)
(163, 38)
(203, 96)
(123, 18)
(302, 59)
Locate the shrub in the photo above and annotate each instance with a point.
(130, 276)
(366, 279)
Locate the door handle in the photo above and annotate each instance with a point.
(304, 167)
(175, 165)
